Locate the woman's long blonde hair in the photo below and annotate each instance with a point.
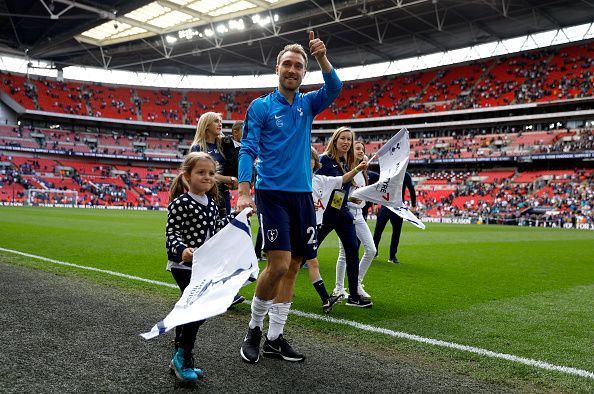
(332, 152)
(179, 185)
(200, 137)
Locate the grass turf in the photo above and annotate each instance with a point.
(521, 291)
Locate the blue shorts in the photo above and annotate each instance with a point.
(288, 222)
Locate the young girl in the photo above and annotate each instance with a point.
(323, 186)
(363, 232)
(209, 138)
(193, 217)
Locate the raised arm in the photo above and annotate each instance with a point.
(324, 96)
(346, 178)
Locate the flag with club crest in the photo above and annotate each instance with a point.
(393, 160)
(220, 267)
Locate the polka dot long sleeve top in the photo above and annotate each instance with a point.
(190, 223)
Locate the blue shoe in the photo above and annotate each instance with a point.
(182, 365)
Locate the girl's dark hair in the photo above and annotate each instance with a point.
(179, 185)
(357, 161)
(316, 158)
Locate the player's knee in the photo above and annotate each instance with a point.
(293, 269)
(371, 249)
(277, 271)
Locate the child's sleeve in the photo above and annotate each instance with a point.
(174, 239)
(336, 182)
(223, 221)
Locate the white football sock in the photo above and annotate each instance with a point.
(259, 310)
(277, 315)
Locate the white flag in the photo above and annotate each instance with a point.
(393, 160)
(219, 268)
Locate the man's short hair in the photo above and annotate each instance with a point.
(238, 124)
(297, 48)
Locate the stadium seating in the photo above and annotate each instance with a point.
(535, 76)
(468, 145)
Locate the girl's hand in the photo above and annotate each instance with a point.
(355, 200)
(188, 255)
(362, 166)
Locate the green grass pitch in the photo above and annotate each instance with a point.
(522, 291)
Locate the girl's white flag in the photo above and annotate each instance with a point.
(393, 159)
(219, 268)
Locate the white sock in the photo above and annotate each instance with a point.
(340, 267)
(259, 310)
(277, 315)
(340, 271)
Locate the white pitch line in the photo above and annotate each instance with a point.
(360, 326)
(84, 267)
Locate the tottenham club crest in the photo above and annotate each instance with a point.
(279, 120)
(272, 235)
(394, 148)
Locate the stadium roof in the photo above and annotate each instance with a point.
(231, 37)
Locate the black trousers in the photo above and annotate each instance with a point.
(345, 229)
(383, 215)
(185, 335)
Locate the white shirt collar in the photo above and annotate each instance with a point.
(202, 199)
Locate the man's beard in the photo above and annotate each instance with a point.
(284, 86)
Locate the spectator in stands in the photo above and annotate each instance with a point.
(209, 139)
(384, 214)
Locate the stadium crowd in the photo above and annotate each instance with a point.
(462, 144)
(497, 196)
(554, 196)
(540, 75)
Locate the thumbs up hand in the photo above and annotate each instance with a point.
(316, 46)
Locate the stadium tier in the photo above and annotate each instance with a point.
(537, 76)
(502, 196)
(139, 146)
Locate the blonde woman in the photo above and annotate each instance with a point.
(337, 160)
(362, 230)
(209, 139)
